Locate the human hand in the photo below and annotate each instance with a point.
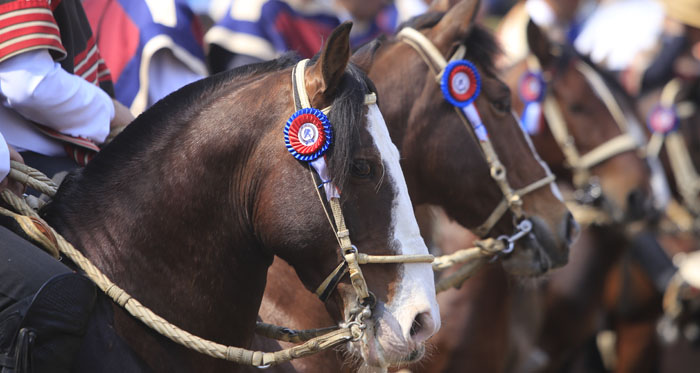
(13, 185)
(122, 118)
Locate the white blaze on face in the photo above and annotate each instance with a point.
(415, 293)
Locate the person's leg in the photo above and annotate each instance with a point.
(23, 268)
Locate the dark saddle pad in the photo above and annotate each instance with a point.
(43, 333)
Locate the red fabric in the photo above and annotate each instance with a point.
(81, 56)
(303, 36)
(103, 73)
(87, 64)
(18, 5)
(123, 44)
(9, 35)
(197, 31)
(40, 40)
(29, 44)
(13, 20)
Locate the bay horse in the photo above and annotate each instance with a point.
(633, 297)
(595, 146)
(187, 207)
(632, 201)
(443, 162)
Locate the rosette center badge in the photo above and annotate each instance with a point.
(307, 134)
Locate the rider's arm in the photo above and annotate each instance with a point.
(36, 87)
(8, 154)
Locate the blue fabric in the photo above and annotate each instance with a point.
(128, 83)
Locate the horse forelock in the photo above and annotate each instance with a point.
(347, 116)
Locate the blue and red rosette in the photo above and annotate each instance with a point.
(308, 134)
(460, 83)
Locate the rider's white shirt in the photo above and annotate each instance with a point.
(620, 30)
(4, 158)
(33, 87)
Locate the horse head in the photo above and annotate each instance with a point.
(582, 128)
(212, 182)
(363, 165)
(445, 160)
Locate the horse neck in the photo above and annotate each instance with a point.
(172, 233)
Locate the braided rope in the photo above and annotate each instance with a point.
(32, 178)
(283, 334)
(172, 332)
(316, 340)
(472, 259)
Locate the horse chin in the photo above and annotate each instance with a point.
(381, 347)
(526, 263)
(538, 252)
(530, 259)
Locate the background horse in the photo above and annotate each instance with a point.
(592, 114)
(633, 297)
(444, 164)
(186, 209)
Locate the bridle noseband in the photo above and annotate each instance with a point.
(352, 258)
(469, 115)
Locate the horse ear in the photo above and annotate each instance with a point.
(364, 56)
(456, 24)
(539, 44)
(442, 5)
(323, 78)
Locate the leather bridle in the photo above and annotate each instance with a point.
(470, 117)
(352, 258)
(581, 164)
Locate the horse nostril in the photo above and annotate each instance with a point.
(636, 203)
(572, 229)
(415, 327)
(422, 327)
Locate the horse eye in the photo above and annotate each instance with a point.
(502, 105)
(361, 168)
(576, 108)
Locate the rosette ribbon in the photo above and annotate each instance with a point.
(461, 85)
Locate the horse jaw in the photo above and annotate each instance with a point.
(392, 337)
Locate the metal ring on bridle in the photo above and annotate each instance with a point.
(510, 244)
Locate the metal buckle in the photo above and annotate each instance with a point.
(590, 193)
(522, 229)
(358, 320)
